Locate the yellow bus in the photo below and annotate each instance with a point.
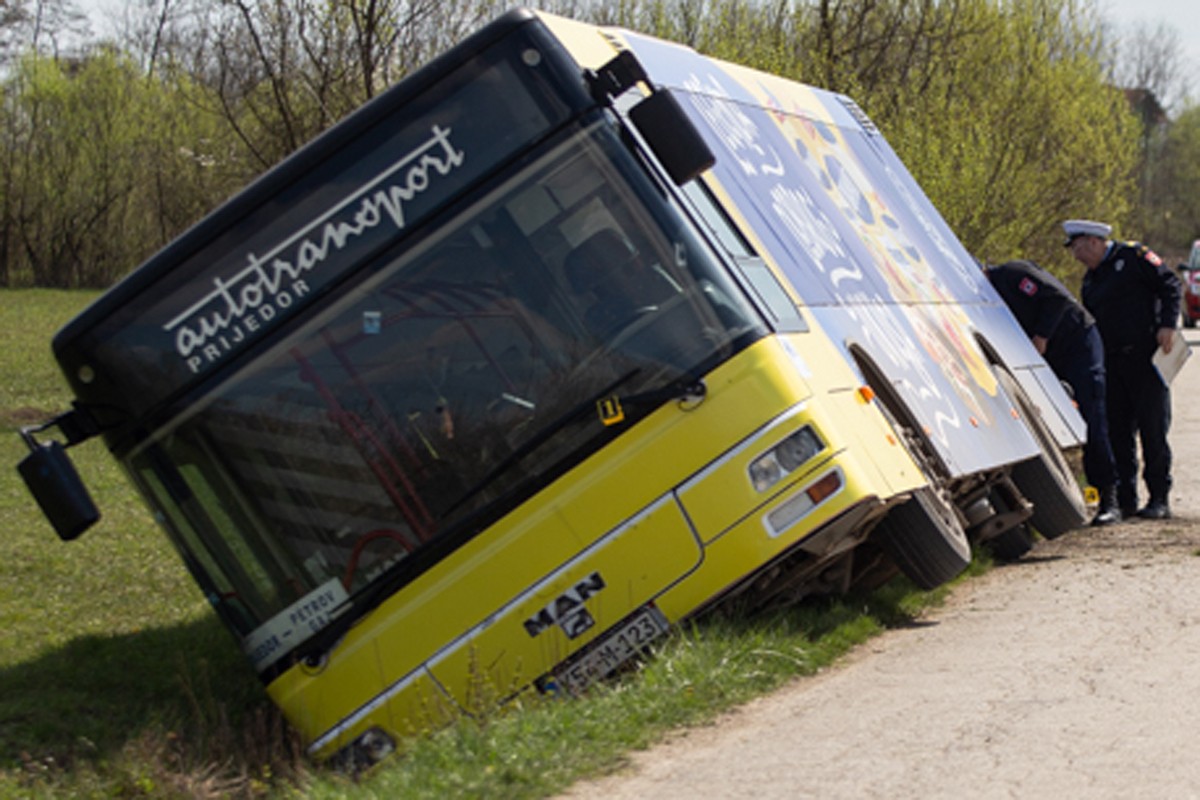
(561, 340)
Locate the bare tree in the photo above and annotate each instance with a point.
(1151, 59)
(1147, 63)
(281, 71)
(47, 26)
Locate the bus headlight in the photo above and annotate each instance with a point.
(787, 456)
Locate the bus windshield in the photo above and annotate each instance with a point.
(562, 305)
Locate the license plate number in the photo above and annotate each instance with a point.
(613, 649)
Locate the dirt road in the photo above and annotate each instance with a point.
(1074, 673)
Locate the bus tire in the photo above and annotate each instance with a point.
(1011, 544)
(925, 539)
(1046, 480)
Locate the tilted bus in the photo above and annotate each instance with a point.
(567, 336)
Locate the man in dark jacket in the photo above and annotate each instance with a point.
(1066, 335)
(1135, 299)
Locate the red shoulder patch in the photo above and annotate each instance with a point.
(1028, 286)
(1153, 258)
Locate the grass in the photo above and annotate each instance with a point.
(116, 680)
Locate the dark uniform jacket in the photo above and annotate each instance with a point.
(1043, 307)
(1132, 294)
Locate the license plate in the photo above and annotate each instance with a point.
(626, 640)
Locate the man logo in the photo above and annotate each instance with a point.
(567, 610)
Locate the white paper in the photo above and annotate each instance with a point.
(1169, 364)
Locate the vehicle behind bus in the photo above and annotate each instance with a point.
(562, 340)
(1189, 273)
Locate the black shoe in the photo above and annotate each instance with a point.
(1155, 509)
(1109, 510)
(1129, 513)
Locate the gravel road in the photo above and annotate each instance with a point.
(1074, 673)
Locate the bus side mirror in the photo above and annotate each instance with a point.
(659, 118)
(671, 136)
(58, 489)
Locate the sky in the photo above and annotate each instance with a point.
(1182, 15)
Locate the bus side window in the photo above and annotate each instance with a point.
(771, 295)
(752, 271)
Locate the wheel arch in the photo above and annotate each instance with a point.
(897, 409)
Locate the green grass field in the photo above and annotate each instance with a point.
(107, 650)
(116, 680)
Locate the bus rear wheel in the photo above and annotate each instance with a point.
(925, 539)
(1046, 480)
(1011, 544)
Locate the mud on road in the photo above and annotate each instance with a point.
(1073, 673)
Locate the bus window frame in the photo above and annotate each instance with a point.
(753, 274)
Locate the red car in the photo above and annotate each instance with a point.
(1189, 273)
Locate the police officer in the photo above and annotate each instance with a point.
(1135, 299)
(1066, 335)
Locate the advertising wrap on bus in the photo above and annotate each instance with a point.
(568, 337)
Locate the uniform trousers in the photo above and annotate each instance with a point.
(1139, 405)
(1082, 367)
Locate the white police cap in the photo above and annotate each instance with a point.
(1085, 227)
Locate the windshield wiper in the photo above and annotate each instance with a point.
(686, 388)
(544, 435)
(370, 596)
